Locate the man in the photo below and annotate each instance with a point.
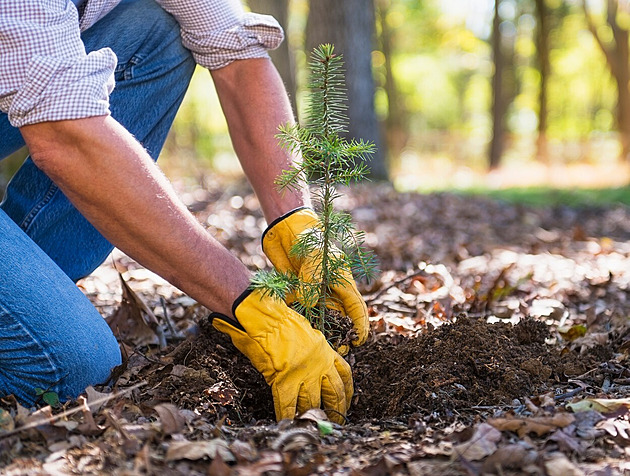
(90, 181)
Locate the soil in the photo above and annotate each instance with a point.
(483, 311)
(446, 371)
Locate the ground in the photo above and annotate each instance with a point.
(499, 345)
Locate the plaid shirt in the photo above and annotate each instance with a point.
(46, 75)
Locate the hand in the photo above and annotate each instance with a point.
(303, 371)
(277, 242)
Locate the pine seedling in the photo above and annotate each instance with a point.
(328, 161)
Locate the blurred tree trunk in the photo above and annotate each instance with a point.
(396, 133)
(499, 100)
(282, 57)
(617, 58)
(544, 65)
(350, 25)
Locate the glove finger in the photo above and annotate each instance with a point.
(284, 401)
(333, 397)
(309, 396)
(345, 373)
(354, 307)
(343, 350)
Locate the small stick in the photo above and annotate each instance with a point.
(54, 418)
(394, 284)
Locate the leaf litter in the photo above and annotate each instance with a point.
(499, 345)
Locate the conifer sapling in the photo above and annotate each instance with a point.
(328, 160)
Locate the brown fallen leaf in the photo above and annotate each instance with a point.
(558, 464)
(538, 425)
(89, 426)
(615, 427)
(194, 450)
(268, 463)
(218, 467)
(482, 443)
(514, 456)
(6, 421)
(567, 443)
(134, 320)
(171, 419)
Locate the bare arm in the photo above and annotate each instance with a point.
(113, 182)
(255, 103)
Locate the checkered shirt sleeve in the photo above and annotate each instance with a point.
(218, 32)
(46, 73)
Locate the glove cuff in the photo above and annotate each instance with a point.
(240, 299)
(232, 321)
(226, 319)
(280, 218)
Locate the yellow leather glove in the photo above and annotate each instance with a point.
(277, 241)
(303, 371)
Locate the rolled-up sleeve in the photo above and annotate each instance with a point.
(46, 73)
(218, 32)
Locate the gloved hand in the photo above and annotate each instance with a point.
(277, 241)
(303, 371)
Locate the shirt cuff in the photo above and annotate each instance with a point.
(252, 38)
(64, 88)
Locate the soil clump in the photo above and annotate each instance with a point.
(465, 365)
(445, 371)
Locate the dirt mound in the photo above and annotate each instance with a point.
(211, 377)
(451, 368)
(466, 364)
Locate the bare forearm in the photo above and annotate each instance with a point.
(108, 176)
(255, 103)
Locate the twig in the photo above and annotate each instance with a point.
(570, 394)
(394, 284)
(59, 416)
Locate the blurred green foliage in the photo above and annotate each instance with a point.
(442, 65)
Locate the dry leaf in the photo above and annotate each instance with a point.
(559, 465)
(481, 444)
(268, 463)
(194, 450)
(566, 442)
(515, 456)
(95, 400)
(6, 421)
(538, 425)
(601, 405)
(615, 427)
(171, 419)
(133, 320)
(218, 467)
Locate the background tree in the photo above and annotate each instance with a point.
(396, 121)
(544, 66)
(282, 57)
(616, 51)
(349, 25)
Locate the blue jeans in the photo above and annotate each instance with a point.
(51, 337)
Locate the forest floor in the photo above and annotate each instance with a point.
(499, 345)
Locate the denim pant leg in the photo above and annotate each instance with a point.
(51, 337)
(152, 76)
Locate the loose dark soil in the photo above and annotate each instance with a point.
(447, 371)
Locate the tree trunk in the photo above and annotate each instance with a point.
(282, 57)
(617, 55)
(396, 133)
(349, 25)
(544, 65)
(499, 103)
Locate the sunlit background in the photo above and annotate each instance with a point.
(435, 58)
